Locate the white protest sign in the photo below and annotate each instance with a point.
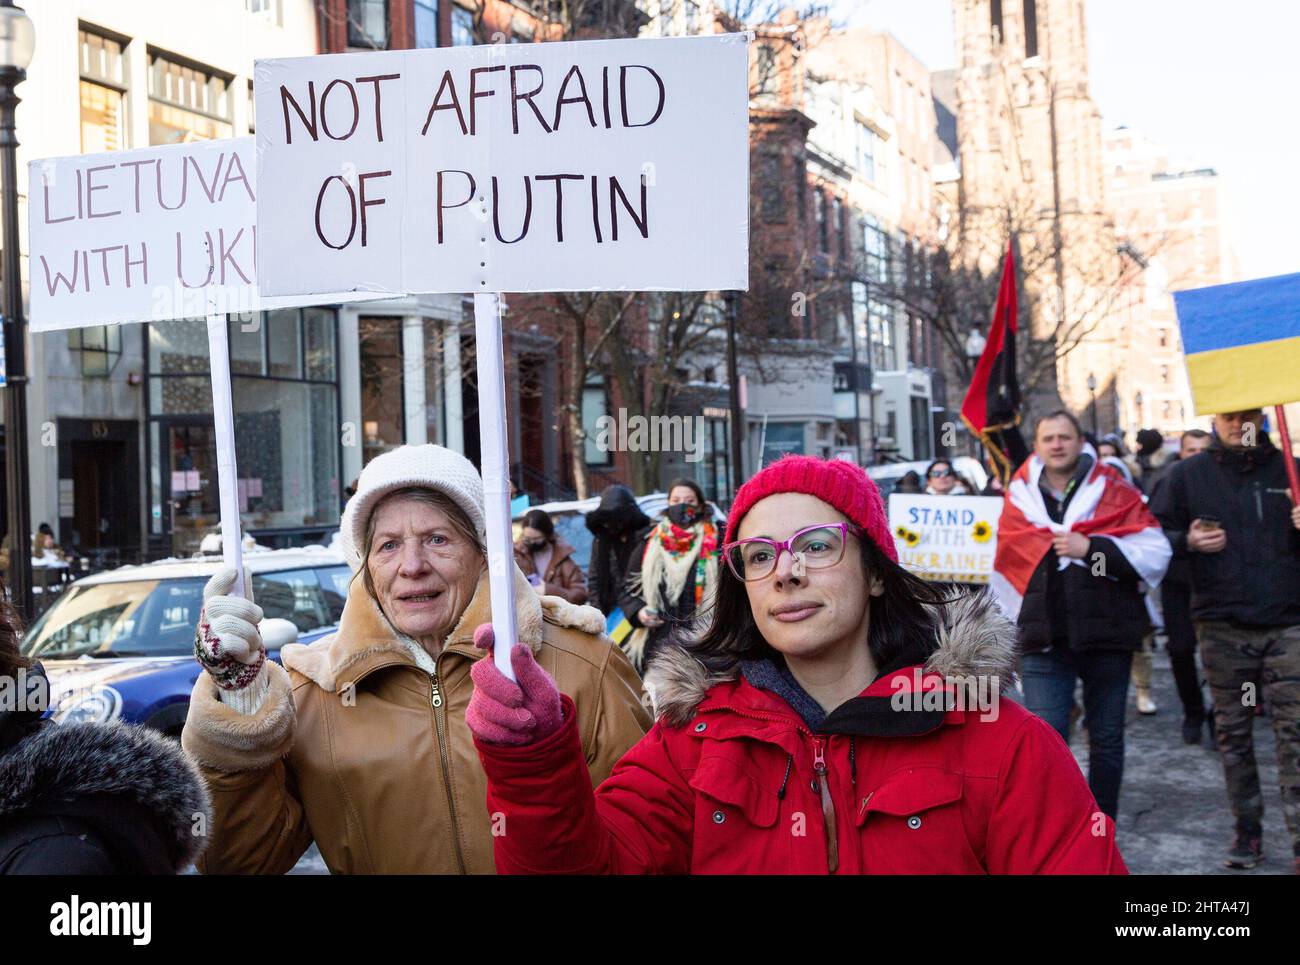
(946, 537)
(152, 235)
(147, 235)
(598, 165)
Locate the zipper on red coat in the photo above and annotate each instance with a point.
(821, 784)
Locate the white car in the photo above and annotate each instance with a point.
(120, 644)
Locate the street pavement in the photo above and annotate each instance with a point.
(1174, 817)
(1173, 810)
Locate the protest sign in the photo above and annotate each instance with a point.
(590, 166)
(152, 235)
(946, 537)
(598, 165)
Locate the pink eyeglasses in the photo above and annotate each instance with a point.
(817, 547)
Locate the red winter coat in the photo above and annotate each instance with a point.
(731, 780)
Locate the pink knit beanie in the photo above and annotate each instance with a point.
(844, 485)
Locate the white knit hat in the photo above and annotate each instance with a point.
(430, 467)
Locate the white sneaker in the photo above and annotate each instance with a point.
(1146, 705)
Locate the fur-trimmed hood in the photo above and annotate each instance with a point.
(60, 764)
(975, 641)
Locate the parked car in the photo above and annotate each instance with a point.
(120, 644)
(570, 517)
(888, 474)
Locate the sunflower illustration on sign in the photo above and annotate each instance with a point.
(910, 537)
(981, 532)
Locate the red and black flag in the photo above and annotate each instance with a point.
(991, 409)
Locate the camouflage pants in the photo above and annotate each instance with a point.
(1245, 665)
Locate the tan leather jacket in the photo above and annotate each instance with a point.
(360, 748)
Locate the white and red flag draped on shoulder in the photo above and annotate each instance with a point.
(1104, 505)
(991, 409)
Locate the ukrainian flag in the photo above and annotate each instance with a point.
(1242, 343)
(617, 626)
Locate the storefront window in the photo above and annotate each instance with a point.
(318, 329)
(284, 344)
(286, 429)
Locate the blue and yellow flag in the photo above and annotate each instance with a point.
(1242, 343)
(617, 626)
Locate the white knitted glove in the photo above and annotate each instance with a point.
(227, 643)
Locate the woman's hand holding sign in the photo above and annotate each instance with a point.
(227, 642)
(505, 712)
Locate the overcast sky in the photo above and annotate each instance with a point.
(1216, 83)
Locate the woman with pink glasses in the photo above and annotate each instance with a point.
(838, 715)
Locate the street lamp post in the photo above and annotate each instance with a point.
(1092, 392)
(17, 42)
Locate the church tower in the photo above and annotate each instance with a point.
(1030, 150)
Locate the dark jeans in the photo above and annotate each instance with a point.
(1176, 604)
(1048, 680)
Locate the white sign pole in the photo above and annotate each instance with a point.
(494, 448)
(223, 418)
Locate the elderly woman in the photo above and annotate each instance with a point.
(359, 742)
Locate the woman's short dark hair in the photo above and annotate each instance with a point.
(693, 486)
(902, 629)
(540, 520)
(940, 462)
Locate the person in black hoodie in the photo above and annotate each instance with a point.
(1229, 512)
(89, 798)
(618, 526)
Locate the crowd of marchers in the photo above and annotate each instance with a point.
(748, 719)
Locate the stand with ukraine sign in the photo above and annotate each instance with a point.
(1242, 343)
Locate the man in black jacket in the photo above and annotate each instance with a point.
(1229, 511)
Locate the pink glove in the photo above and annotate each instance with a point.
(502, 712)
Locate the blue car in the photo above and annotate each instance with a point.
(120, 645)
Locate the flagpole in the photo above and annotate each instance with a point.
(1292, 476)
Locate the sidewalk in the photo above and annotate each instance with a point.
(1173, 810)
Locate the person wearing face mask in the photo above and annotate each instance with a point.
(669, 581)
(827, 721)
(547, 560)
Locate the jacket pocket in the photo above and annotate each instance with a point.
(736, 821)
(912, 823)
